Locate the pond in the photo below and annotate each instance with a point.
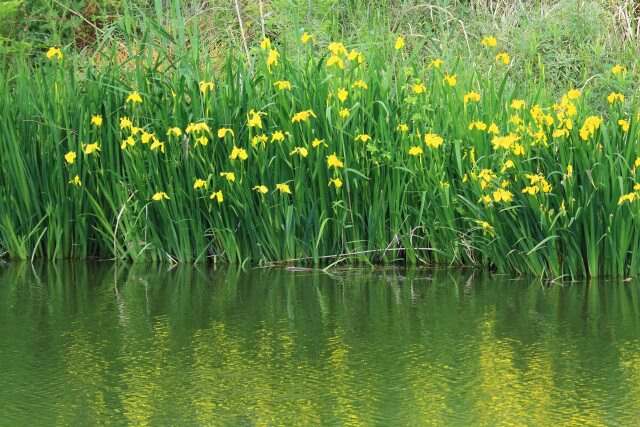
(85, 344)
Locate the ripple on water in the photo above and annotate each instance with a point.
(301, 348)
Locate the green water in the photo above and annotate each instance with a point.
(86, 345)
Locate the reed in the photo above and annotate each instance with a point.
(446, 161)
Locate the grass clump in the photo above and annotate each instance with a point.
(316, 151)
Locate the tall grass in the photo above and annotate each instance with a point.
(442, 206)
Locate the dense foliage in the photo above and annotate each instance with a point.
(153, 149)
(335, 153)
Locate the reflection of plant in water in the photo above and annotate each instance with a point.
(266, 347)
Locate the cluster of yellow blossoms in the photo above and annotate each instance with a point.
(525, 128)
(199, 133)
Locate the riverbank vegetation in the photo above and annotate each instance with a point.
(299, 146)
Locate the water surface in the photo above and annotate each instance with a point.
(102, 344)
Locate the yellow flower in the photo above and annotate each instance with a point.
(419, 88)
(533, 179)
(540, 181)
(76, 181)
(532, 190)
(471, 97)
(518, 150)
(261, 188)
(436, 63)
(70, 157)
(360, 84)
(493, 129)
(253, 119)
(363, 137)
(203, 140)
(486, 227)
(306, 37)
(573, 94)
(548, 120)
(337, 48)
(354, 54)
(402, 127)
(481, 126)
(134, 97)
(129, 141)
(146, 137)
(231, 177)
(54, 51)
(518, 104)
(618, 69)
(300, 150)
(265, 44)
(450, 80)
(204, 86)
(344, 113)
(277, 136)
(91, 148)
(222, 132)
(238, 152)
(516, 119)
(336, 182)
(317, 142)
(160, 195)
(589, 127)
(283, 84)
(283, 188)
(174, 131)
(504, 142)
(503, 57)
(502, 195)
(399, 43)
(259, 138)
(333, 161)
(303, 116)
(486, 175)
(217, 195)
(613, 97)
(335, 60)
(96, 120)
(157, 144)
(415, 151)
(507, 165)
(342, 94)
(624, 125)
(627, 198)
(489, 41)
(559, 133)
(200, 183)
(433, 140)
(536, 113)
(486, 199)
(569, 170)
(272, 59)
(197, 127)
(125, 123)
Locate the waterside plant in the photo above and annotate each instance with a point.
(318, 153)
